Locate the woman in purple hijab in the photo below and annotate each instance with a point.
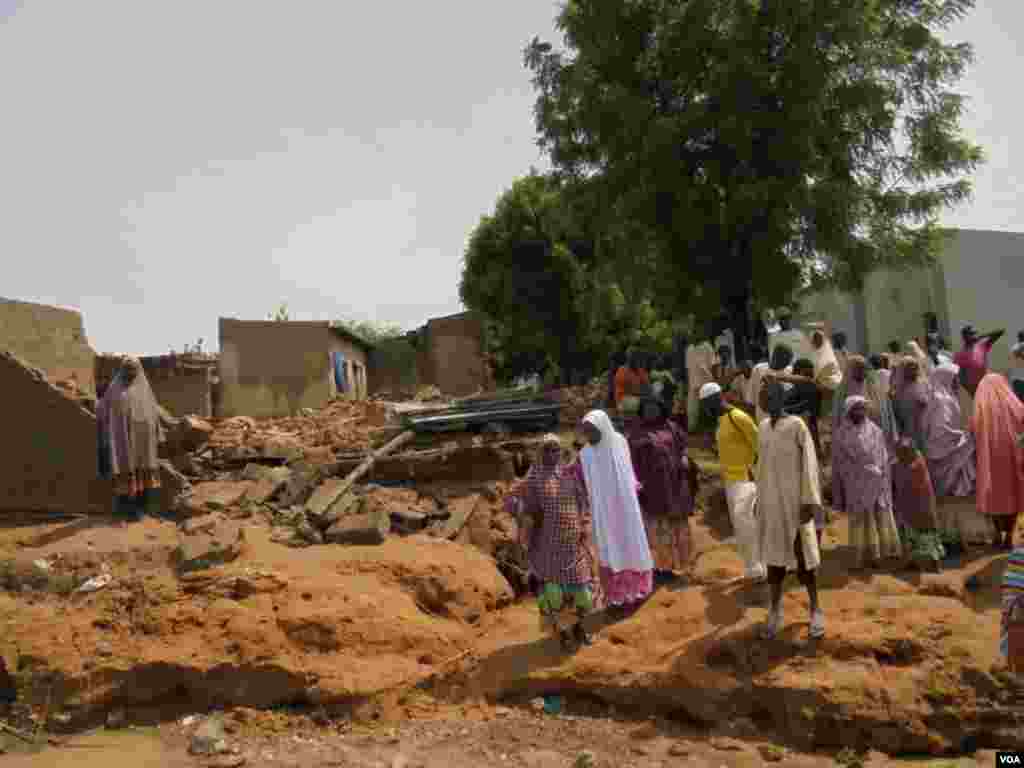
(862, 485)
(952, 459)
(657, 447)
(949, 448)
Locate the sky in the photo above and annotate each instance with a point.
(166, 164)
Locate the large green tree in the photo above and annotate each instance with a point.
(532, 269)
(759, 143)
(520, 273)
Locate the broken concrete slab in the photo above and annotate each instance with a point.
(365, 529)
(324, 496)
(262, 491)
(222, 543)
(217, 495)
(461, 510)
(408, 521)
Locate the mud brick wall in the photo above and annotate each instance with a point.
(273, 369)
(49, 338)
(455, 350)
(48, 452)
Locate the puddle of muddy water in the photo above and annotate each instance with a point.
(134, 748)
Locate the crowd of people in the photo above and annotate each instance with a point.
(903, 431)
(925, 448)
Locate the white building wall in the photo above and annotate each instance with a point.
(978, 280)
(984, 273)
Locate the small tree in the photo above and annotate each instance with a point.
(280, 315)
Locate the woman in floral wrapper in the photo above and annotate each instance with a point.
(554, 506)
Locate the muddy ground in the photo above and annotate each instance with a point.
(417, 652)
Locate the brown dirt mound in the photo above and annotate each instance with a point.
(909, 663)
(276, 626)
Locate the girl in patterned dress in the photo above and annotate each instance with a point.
(553, 504)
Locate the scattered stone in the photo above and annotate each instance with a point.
(209, 738)
(680, 749)
(368, 529)
(227, 761)
(726, 744)
(288, 536)
(307, 533)
(771, 753)
(104, 649)
(323, 499)
(408, 521)
(202, 524)
(116, 719)
(266, 488)
(461, 510)
(200, 550)
(217, 495)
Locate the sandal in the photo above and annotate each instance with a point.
(817, 624)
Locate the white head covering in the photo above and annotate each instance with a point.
(709, 390)
(612, 486)
(852, 401)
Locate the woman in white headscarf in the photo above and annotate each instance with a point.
(626, 565)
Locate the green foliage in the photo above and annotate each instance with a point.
(756, 146)
(398, 354)
(369, 330)
(553, 304)
(280, 315)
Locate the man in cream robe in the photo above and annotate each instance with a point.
(789, 492)
(700, 360)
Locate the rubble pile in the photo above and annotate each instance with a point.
(290, 474)
(343, 427)
(578, 401)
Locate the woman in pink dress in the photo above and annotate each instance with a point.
(998, 423)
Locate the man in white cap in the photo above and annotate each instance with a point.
(737, 454)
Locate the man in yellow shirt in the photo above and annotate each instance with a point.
(737, 454)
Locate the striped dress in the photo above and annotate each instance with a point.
(1013, 604)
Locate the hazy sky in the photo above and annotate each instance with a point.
(164, 164)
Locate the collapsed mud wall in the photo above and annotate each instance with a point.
(49, 338)
(456, 352)
(448, 353)
(48, 450)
